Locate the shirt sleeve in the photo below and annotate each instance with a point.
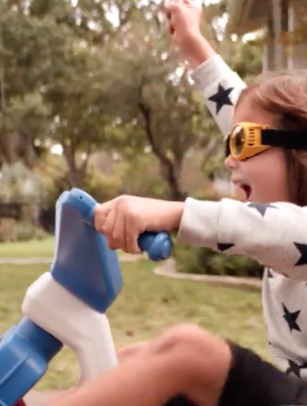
(220, 87)
(273, 234)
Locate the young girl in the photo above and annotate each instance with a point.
(268, 162)
(187, 360)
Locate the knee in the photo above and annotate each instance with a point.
(185, 337)
(186, 345)
(197, 357)
(130, 351)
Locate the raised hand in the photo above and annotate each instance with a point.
(184, 19)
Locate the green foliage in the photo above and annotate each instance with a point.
(53, 51)
(23, 230)
(205, 261)
(26, 231)
(72, 77)
(19, 184)
(246, 58)
(100, 186)
(159, 107)
(140, 176)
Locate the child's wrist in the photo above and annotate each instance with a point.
(199, 51)
(175, 216)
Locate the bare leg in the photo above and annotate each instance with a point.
(42, 398)
(126, 353)
(185, 360)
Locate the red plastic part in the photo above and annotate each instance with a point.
(20, 403)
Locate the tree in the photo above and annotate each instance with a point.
(154, 94)
(50, 55)
(28, 49)
(79, 108)
(26, 122)
(69, 75)
(92, 21)
(246, 58)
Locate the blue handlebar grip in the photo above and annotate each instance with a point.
(157, 245)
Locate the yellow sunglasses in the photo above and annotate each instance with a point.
(249, 139)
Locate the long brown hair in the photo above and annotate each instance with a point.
(285, 95)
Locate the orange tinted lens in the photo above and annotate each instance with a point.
(237, 141)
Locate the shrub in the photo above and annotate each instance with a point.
(141, 177)
(102, 187)
(98, 185)
(205, 261)
(26, 231)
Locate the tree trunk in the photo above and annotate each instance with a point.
(28, 150)
(75, 173)
(9, 147)
(169, 170)
(171, 173)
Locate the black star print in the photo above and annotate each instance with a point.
(224, 246)
(221, 98)
(303, 251)
(261, 207)
(295, 368)
(291, 319)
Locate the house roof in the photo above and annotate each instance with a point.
(247, 15)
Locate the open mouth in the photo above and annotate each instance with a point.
(247, 190)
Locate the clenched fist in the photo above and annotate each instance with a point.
(184, 19)
(124, 218)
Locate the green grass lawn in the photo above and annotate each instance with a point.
(146, 305)
(27, 249)
(30, 249)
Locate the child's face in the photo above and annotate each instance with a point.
(263, 178)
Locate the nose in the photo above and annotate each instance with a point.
(231, 163)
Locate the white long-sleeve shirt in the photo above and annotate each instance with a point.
(274, 234)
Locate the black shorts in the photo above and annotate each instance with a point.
(254, 382)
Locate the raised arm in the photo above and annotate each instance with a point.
(219, 85)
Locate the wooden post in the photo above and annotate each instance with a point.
(268, 49)
(291, 26)
(297, 51)
(277, 31)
